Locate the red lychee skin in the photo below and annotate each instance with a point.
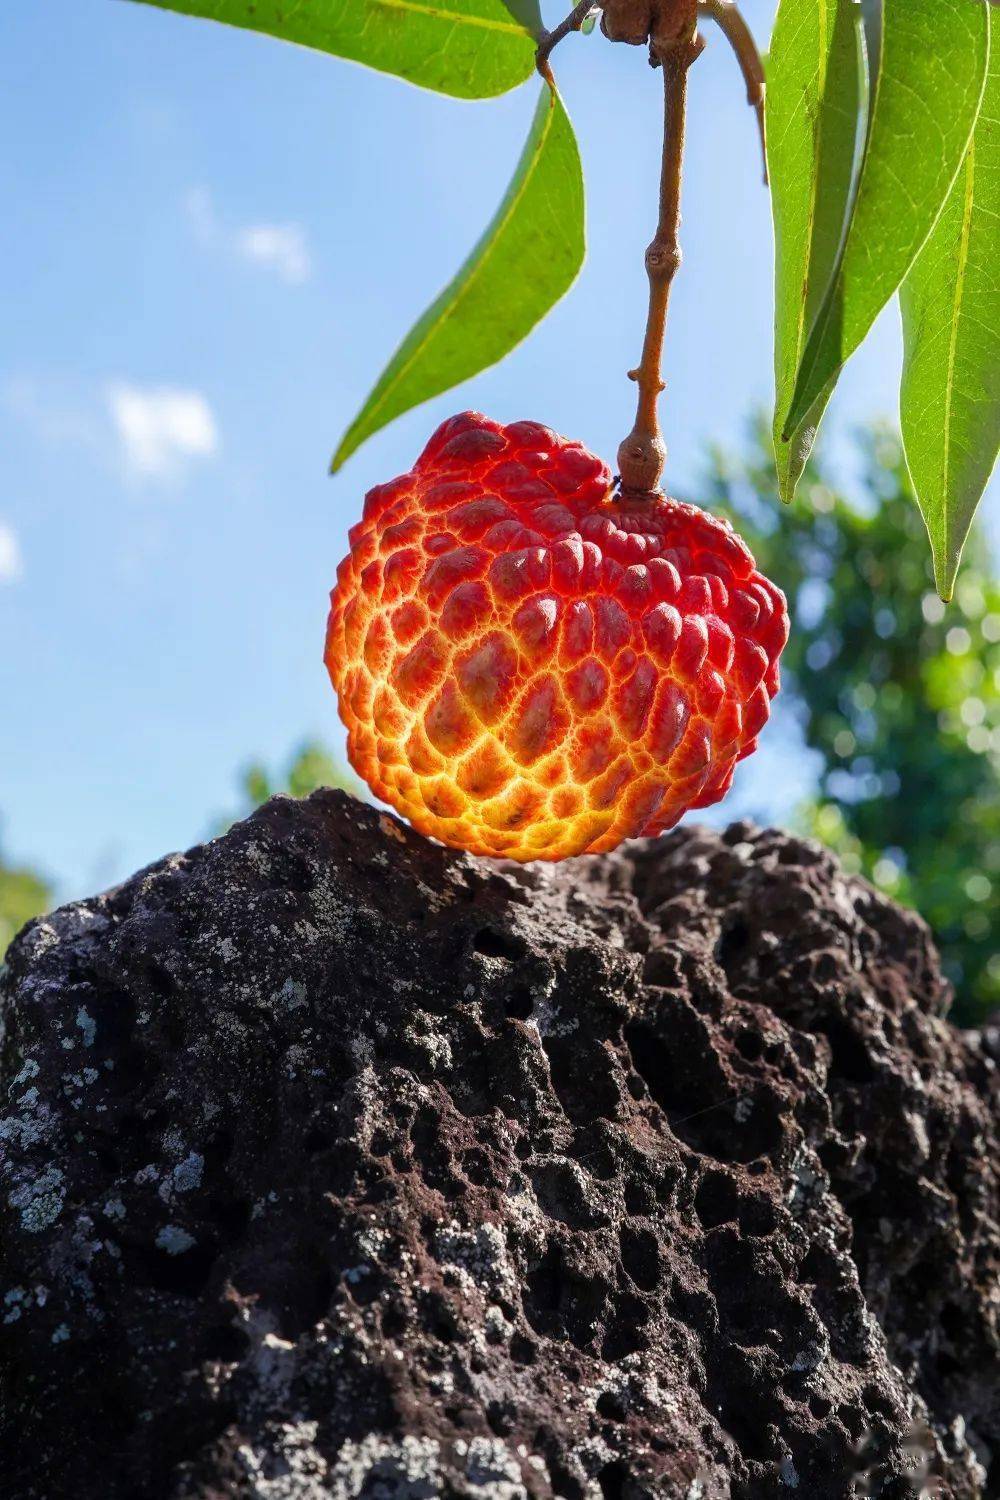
(529, 666)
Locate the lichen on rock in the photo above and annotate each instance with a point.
(375, 1170)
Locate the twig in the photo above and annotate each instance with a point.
(642, 455)
(726, 15)
(551, 39)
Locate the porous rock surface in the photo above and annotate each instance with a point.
(340, 1165)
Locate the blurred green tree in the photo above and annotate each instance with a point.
(309, 767)
(23, 895)
(899, 693)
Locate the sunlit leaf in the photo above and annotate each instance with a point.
(926, 79)
(950, 397)
(528, 14)
(813, 114)
(472, 49)
(527, 258)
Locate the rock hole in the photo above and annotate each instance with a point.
(854, 1420)
(851, 1061)
(671, 1074)
(290, 870)
(591, 1148)
(639, 1199)
(523, 1351)
(876, 1401)
(432, 1156)
(635, 1085)
(502, 1417)
(623, 1338)
(733, 944)
(749, 1043)
(183, 1275)
(641, 1257)
(302, 1294)
(611, 1406)
(393, 1320)
(492, 944)
(109, 1161)
(226, 1342)
(954, 1323)
(477, 1168)
(159, 981)
(541, 1303)
(695, 1308)
(365, 1289)
(560, 1302)
(564, 1484)
(439, 1319)
(744, 1416)
(519, 1003)
(612, 1480)
(583, 1077)
(758, 1216)
(218, 1148)
(114, 1013)
(232, 1215)
(135, 1067)
(717, 1200)
(993, 1477)
(316, 1140)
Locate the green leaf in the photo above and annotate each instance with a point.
(472, 49)
(527, 13)
(925, 83)
(528, 257)
(950, 396)
(813, 107)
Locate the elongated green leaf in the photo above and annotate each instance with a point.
(472, 49)
(813, 121)
(925, 85)
(528, 257)
(950, 397)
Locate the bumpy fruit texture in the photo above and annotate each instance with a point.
(528, 666)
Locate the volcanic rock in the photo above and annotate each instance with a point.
(339, 1166)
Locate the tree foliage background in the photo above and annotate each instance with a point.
(309, 767)
(897, 692)
(23, 895)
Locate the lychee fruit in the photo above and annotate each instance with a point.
(529, 665)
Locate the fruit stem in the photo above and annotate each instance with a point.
(643, 453)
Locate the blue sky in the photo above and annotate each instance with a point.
(211, 244)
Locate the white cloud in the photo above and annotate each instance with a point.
(159, 428)
(282, 248)
(279, 247)
(11, 566)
